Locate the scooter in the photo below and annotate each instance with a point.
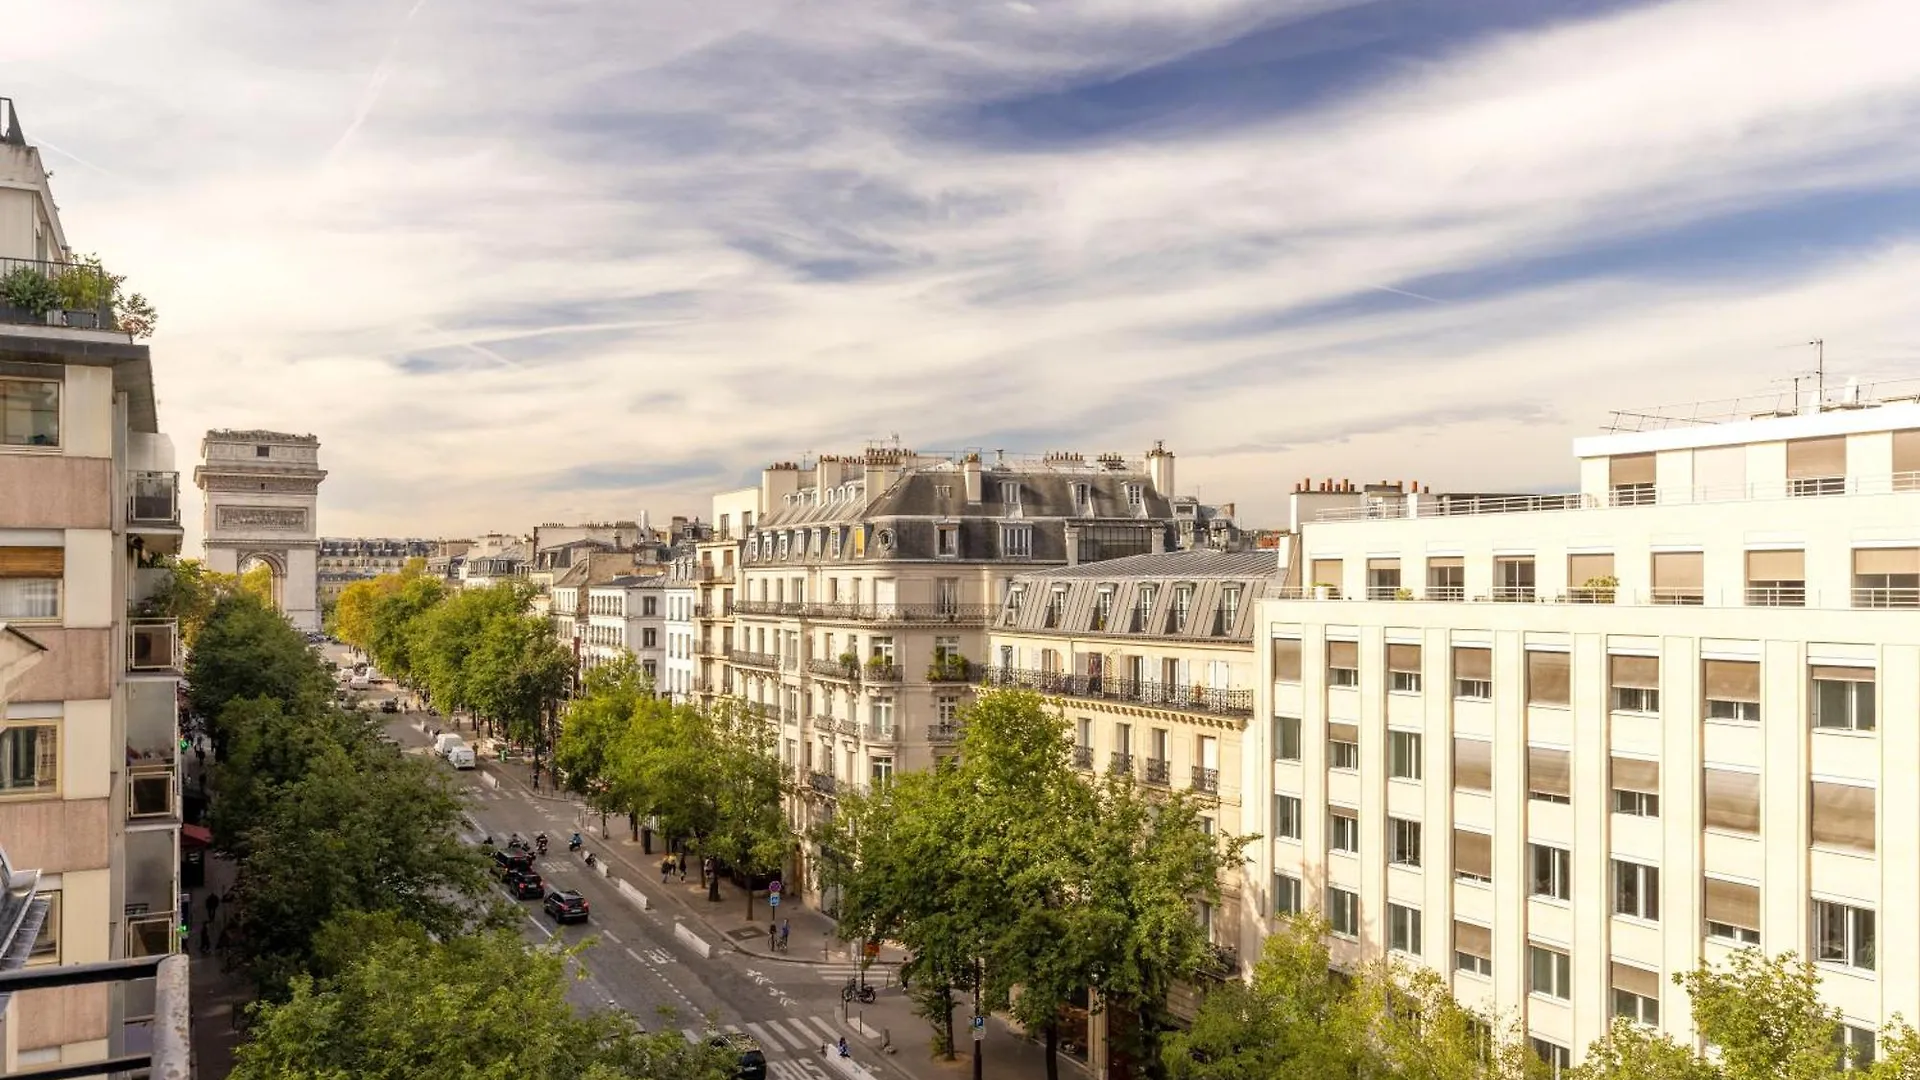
(574, 843)
(541, 843)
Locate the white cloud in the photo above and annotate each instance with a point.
(609, 240)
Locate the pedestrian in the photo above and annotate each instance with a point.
(200, 754)
(206, 940)
(773, 936)
(666, 868)
(213, 905)
(223, 940)
(785, 926)
(683, 866)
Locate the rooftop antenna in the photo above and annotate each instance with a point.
(1819, 373)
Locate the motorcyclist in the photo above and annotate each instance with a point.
(574, 842)
(540, 842)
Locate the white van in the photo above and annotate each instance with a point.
(460, 756)
(446, 741)
(359, 682)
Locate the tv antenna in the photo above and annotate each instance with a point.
(1819, 373)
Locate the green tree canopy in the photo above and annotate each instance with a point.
(248, 650)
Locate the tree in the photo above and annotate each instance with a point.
(515, 672)
(188, 594)
(247, 650)
(1631, 1051)
(270, 747)
(258, 583)
(596, 721)
(481, 1007)
(399, 622)
(354, 611)
(1765, 1015)
(750, 830)
(436, 644)
(1292, 1019)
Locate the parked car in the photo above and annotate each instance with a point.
(446, 741)
(752, 1062)
(389, 706)
(461, 757)
(508, 863)
(565, 905)
(525, 884)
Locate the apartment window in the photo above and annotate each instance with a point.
(647, 639)
(1286, 817)
(1513, 578)
(1843, 816)
(1777, 578)
(947, 541)
(1229, 608)
(30, 758)
(1343, 746)
(1558, 1059)
(1286, 738)
(1327, 574)
(1403, 929)
(1343, 830)
(651, 668)
(880, 771)
(1383, 579)
(1472, 764)
(1549, 972)
(1636, 890)
(1549, 678)
(1843, 698)
(1136, 496)
(1102, 607)
(1473, 673)
(881, 648)
(1636, 993)
(1343, 912)
(1143, 610)
(1635, 683)
(30, 582)
(1679, 577)
(1636, 786)
(1817, 466)
(46, 944)
(1550, 872)
(1856, 1045)
(1182, 607)
(1590, 578)
(1056, 606)
(1843, 934)
(1630, 479)
(1343, 663)
(1403, 841)
(882, 713)
(785, 544)
(1473, 948)
(1286, 660)
(649, 605)
(1403, 668)
(1733, 911)
(1403, 755)
(1732, 800)
(1016, 596)
(1733, 690)
(261, 451)
(1010, 493)
(947, 710)
(1286, 895)
(1472, 856)
(29, 412)
(1548, 776)
(1887, 577)
(1446, 578)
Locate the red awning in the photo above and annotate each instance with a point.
(193, 836)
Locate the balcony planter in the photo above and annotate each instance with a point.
(953, 668)
(1322, 591)
(83, 318)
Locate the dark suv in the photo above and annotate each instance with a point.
(506, 863)
(565, 905)
(752, 1064)
(525, 885)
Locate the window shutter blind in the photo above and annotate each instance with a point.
(1810, 458)
(1472, 939)
(1636, 672)
(1636, 980)
(1733, 680)
(1733, 903)
(1843, 815)
(1286, 659)
(1906, 451)
(1776, 566)
(1327, 572)
(1630, 469)
(1472, 662)
(1343, 654)
(1842, 673)
(1635, 774)
(1678, 569)
(1584, 568)
(1446, 562)
(1549, 677)
(1732, 800)
(1383, 564)
(1343, 732)
(1473, 764)
(1886, 561)
(1473, 853)
(1548, 772)
(32, 562)
(1403, 658)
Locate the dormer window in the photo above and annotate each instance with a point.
(1136, 496)
(1016, 541)
(1016, 595)
(1229, 607)
(1102, 608)
(947, 539)
(1057, 606)
(1083, 498)
(1182, 607)
(1010, 493)
(1144, 609)
(783, 545)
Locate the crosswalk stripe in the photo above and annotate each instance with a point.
(825, 1028)
(799, 1036)
(764, 1033)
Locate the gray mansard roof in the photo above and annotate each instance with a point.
(1146, 591)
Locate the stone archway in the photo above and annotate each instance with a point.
(276, 565)
(261, 495)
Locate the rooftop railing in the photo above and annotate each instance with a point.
(1133, 691)
(1770, 594)
(34, 292)
(1402, 507)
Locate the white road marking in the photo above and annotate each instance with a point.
(636, 957)
(825, 1028)
(542, 929)
(771, 1036)
(608, 934)
(795, 1070)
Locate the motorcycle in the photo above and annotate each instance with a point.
(865, 993)
(541, 843)
(573, 844)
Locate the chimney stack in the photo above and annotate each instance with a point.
(1160, 468)
(970, 469)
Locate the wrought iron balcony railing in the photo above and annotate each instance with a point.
(904, 613)
(835, 669)
(882, 672)
(35, 292)
(820, 782)
(942, 733)
(1083, 757)
(1119, 762)
(1206, 781)
(746, 658)
(1132, 691)
(1156, 771)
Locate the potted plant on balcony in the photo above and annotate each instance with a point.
(949, 667)
(27, 295)
(1598, 590)
(1322, 591)
(850, 660)
(879, 667)
(86, 290)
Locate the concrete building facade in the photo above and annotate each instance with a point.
(627, 617)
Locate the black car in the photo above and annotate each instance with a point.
(752, 1064)
(565, 905)
(525, 885)
(389, 706)
(510, 862)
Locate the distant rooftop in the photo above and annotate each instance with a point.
(1181, 564)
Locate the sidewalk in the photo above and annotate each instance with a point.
(215, 997)
(813, 940)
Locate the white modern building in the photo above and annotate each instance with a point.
(624, 616)
(1562, 747)
(681, 595)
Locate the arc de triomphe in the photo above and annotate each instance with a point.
(261, 492)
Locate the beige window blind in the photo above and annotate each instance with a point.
(1906, 452)
(1843, 815)
(1471, 938)
(1446, 562)
(1383, 564)
(1343, 654)
(1286, 659)
(1679, 570)
(1636, 980)
(1548, 772)
(1343, 732)
(1842, 673)
(1732, 800)
(1810, 458)
(32, 562)
(1473, 764)
(1776, 566)
(1623, 469)
(1584, 568)
(1326, 572)
(1636, 774)
(1733, 903)
(1549, 678)
(1403, 658)
(1472, 853)
(1733, 680)
(1886, 561)
(1636, 672)
(1472, 662)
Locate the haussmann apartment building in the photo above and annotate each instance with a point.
(1560, 748)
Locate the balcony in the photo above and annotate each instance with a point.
(835, 669)
(1776, 594)
(1664, 596)
(153, 646)
(931, 614)
(824, 723)
(705, 647)
(821, 783)
(1156, 771)
(152, 792)
(152, 892)
(40, 293)
(153, 500)
(1083, 757)
(768, 607)
(1885, 597)
(946, 733)
(1222, 963)
(710, 572)
(952, 669)
(882, 670)
(1206, 781)
(744, 658)
(847, 727)
(880, 733)
(1138, 692)
(1118, 762)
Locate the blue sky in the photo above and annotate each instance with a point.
(522, 262)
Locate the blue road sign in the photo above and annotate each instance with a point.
(773, 900)
(773, 887)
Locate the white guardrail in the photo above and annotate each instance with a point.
(692, 940)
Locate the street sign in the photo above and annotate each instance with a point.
(979, 1023)
(773, 899)
(773, 887)
(979, 1035)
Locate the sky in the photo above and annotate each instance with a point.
(555, 260)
